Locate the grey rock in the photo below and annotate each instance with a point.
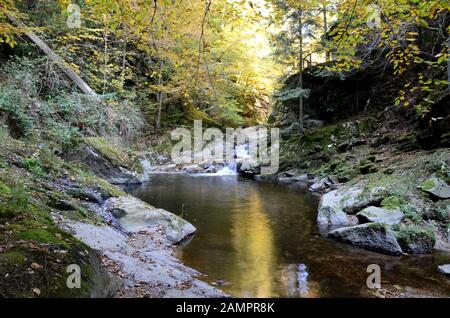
(335, 205)
(85, 194)
(145, 259)
(436, 187)
(372, 236)
(322, 185)
(444, 269)
(374, 214)
(137, 215)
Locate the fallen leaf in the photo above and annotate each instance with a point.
(37, 291)
(36, 266)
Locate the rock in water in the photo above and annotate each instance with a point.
(436, 187)
(444, 269)
(372, 236)
(139, 215)
(374, 214)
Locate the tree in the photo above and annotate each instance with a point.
(7, 30)
(409, 36)
(300, 22)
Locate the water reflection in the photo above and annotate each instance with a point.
(253, 242)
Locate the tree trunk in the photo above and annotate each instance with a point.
(124, 64)
(300, 64)
(325, 30)
(85, 88)
(105, 62)
(160, 96)
(448, 63)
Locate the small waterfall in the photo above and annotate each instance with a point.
(241, 154)
(228, 170)
(146, 166)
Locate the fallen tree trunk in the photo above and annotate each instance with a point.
(85, 88)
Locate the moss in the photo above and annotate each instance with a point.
(33, 165)
(12, 257)
(378, 227)
(413, 233)
(322, 136)
(85, 177)
(4, 189)
(41, 236)
(391, 203)
(111, 152)
(109, 189)
(428, 185)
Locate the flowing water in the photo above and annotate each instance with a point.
(261, 240)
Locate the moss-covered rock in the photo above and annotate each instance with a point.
(114, 154)
(391, 203)
(416, 240)
(436, 187)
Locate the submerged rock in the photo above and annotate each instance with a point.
(374, 214)
(444, 269)
(436, 187)
(372, 236)
(138, 215)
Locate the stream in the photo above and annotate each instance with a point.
(257, 239)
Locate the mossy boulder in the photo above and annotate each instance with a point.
(107, 149)
(436, 187)
(372, 236)
(105, 160)
(416, 240)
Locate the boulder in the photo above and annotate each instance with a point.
(416, 240)
(439, 212)
(323, 184)
(372, 236)
(137, 215)
(335, 205)
(436, 187)
(374, 214)
(105, 160)
(444, 270)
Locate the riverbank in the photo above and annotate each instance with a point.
(56, 213)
